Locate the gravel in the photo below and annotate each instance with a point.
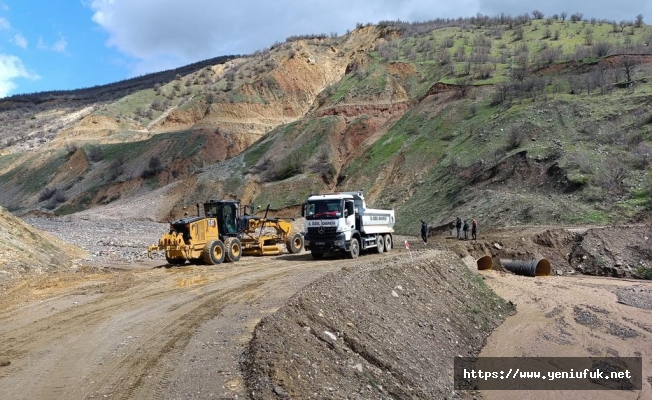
(104, 239)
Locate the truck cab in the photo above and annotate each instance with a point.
(340, 222)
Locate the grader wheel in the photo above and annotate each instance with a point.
(233, 249)
(294, 243)
(213, 252)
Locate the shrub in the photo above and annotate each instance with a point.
(46, 194)
(154, 166)
(115, 169)
(645, 272)
(515, 139)
(94, 153)
(71, 148)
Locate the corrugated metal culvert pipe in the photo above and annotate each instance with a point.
(536, 267)
(484, 263)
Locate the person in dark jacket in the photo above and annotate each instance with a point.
(458, 226)
(424, 231)
(474, 229)
(465, 228)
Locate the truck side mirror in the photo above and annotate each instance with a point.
(346, 213)
(303, 209)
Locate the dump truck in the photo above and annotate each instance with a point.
(341, 222)
(225, 233)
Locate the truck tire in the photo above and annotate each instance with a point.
(213, 252)
(354, 248)
(233, 249)
(380, 246)
(294, 244)
(388, 242)
(316, 255)
(175, 261)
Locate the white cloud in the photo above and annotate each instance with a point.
(12, 68)
(59, 46)
(163, 34)
(166, 33)
(20, 41)
(4, 24)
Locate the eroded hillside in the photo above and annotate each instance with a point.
(487, 118)
(24, 248)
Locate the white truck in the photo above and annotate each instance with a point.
(341, 222)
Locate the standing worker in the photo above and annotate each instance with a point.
(466, 230)
(458, 226)
(424, 231)
(474, 228)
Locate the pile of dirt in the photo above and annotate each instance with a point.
(24, 248)
(390, 329)
(618, 251)
(622, 251)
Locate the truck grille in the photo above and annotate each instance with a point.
(327, 233)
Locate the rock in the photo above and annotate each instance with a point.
(279, 391)
(394, 293)
(330, 335)
(499, 247)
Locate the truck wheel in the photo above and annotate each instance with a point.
(388, 242)
(213, 252)
(316, 255)
(233, 249)
(354, 249)
(175, 261)
(380, 247)
(294, 244)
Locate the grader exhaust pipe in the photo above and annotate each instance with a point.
(536, 267)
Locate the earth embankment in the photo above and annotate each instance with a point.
(391, 329)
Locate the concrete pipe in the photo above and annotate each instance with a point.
(536, 267)
(484, 263)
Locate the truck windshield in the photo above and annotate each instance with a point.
(324, 209)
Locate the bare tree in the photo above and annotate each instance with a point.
(563, 16)
(536, 14)
(639, 21)
(628, 63)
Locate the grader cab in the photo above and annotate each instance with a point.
(225, 233)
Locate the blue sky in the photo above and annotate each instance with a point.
(71, 44)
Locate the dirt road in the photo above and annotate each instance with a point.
(144, 333)
(573, 316)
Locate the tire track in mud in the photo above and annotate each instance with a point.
(78, 352)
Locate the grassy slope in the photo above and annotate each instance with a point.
(451, 153)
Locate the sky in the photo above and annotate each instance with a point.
(72, 44)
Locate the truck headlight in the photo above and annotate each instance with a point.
(339, 243)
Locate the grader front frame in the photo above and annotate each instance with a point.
(265, 237)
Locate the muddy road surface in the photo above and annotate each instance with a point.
(148, 332)
(573, 316)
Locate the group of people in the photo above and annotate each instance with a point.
(461, 226)
(464, 227)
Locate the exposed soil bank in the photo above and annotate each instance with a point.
(391, 328)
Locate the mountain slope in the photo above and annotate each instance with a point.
(508, 120)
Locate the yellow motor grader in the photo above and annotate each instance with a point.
(225, 233)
